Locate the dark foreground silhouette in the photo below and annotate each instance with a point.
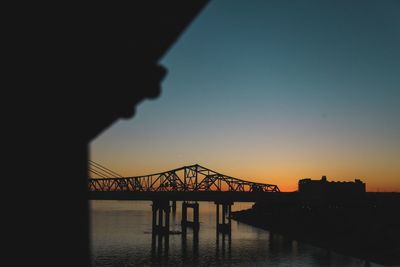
(72, 70)
(367, 227)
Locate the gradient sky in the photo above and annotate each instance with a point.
(274, 91)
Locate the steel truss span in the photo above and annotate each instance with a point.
(194, 178)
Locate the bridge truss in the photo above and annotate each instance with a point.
(194, 178)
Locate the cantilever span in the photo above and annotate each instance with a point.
(193, 178)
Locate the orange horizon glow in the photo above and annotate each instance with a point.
(284, 181)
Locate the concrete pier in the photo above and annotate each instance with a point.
(195, 224)
(223, 221)
(160, 220)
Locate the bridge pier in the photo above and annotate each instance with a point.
(223, 226)
(173, 206)
(160, 207)
(195, 223)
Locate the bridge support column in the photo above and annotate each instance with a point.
(224, 226)
(173, 206)
(160, 207)
(195, 223)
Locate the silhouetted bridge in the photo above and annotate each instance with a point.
(188, 184)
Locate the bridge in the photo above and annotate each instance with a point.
(188, 184)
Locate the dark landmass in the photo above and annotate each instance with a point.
(366, 226)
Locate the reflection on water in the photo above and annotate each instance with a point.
(121, 236)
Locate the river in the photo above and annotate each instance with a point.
(121, 236)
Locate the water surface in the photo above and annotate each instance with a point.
(121, 236)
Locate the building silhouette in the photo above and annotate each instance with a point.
(323, 187)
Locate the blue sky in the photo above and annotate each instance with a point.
(274, 91)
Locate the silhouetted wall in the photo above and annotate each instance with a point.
(72, 70)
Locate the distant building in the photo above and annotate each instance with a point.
(330, 188)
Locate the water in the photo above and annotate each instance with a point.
(121, 236)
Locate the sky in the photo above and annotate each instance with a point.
(273, 92)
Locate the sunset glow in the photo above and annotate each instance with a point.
(273, 93)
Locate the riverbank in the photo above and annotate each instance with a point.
(367, 229)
